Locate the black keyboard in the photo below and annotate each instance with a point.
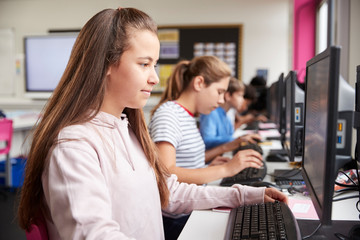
(246, 176)
(270, 221)
(290, 183)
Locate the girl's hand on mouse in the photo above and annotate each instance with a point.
(272, 194)
(244, 159)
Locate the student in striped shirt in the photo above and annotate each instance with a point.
(194, 87)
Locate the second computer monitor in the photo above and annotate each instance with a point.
(294, 117)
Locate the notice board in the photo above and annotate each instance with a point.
(185, 42)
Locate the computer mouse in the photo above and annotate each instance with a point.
(354, 233)
(264, 184)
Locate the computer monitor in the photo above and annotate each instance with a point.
(320, 161)
(294, 117)
(45, 60)
(276, 104)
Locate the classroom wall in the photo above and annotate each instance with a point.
(266, 24)
(354, 41)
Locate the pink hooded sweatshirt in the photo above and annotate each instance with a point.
(99, 185)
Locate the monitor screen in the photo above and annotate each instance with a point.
(294, 106)
(45, 60)
(320, 129)
(276, 103)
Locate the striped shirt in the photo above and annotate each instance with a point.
(172, 123)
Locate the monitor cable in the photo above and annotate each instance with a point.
(313, 233)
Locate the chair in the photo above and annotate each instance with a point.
(6, 132)
(38, 231)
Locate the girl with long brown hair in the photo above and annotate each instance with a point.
(93, 171)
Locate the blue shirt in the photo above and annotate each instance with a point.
(216, 128)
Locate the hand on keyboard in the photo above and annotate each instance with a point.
(244, 159)
(251, 138)
(272, 194)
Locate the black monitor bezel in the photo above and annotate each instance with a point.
(324, 209)
(275, 95)
(290, 81)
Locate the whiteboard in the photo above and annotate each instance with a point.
(7, 62)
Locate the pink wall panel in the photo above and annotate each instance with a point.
(304, 35)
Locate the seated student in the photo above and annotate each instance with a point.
(194, 87)
(216, 128)
(259, 85)
(245, 115)
(92, 170)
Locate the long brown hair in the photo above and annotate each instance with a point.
(100, 44)
(211, 68)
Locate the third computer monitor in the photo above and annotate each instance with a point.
(294, 117)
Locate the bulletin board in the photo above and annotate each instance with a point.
(185, 42)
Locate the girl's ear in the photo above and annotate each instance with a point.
(199, 83)
(108, 71)
(227, 96)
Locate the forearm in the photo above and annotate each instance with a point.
(185, 198)
(214, 141)
(200, 176)
(221, 149)
(216, 151)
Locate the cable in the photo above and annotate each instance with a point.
(309, 236)
(347, 185)
(348, 177)
(345, 198)
(341, 236)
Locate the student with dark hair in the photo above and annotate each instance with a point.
(258, 105)
(217, 128)
(246, 115)
(93, 171)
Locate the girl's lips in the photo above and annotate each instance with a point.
(148, 92)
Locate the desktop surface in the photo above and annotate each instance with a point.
(210, 224)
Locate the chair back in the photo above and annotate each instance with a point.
(6, 132)
(38, 231)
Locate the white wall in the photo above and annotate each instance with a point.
(267, 27)
(354, 42)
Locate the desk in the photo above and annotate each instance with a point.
(207, 224)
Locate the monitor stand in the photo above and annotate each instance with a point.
(326, 232)
(277, 155)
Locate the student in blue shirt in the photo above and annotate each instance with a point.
(216, 128)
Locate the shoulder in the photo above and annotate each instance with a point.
(81, 136)
(169, 112)
(169, 107)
